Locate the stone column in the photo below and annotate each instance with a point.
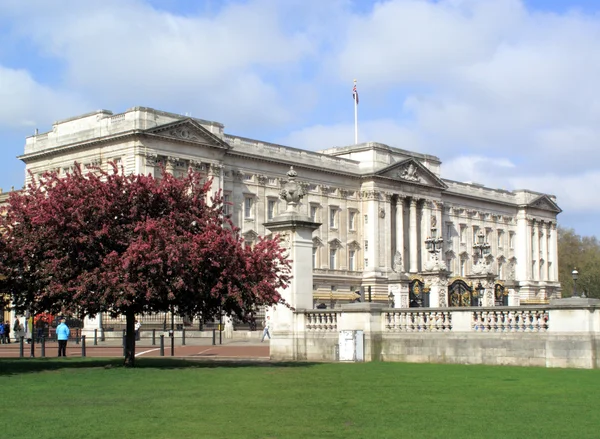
(413, 240)
(553, 253)
(400, 256)
(297, 230)
(535, 245)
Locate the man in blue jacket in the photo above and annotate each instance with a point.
(62, 335)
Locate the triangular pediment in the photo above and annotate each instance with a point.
(544, 202)
(188, 130)
(412, 171)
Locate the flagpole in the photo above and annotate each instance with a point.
(355, 116)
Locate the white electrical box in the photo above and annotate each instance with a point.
(351, 346)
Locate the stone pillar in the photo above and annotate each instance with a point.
(437, 281)
(297, 230)
(413, 237)
(535, 246)
(400, 256)
(553, 253)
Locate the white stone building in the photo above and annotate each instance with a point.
(377, 205)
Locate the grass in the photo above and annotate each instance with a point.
(162, 398)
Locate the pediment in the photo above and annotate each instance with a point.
(412, 171)
(544, 202)
(188, 130)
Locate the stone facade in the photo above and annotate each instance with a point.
(377, 204)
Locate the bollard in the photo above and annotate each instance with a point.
(162, 345)
(95, 337)
(183, 337)
(83, 345)
(220, 335)
(77, 336)
(154, 337)
(102, 337)
(32, 347)
(21, 350)
(43, 341)
(173, 346)
(214, 337)
(124, 345)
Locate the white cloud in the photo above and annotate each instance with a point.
(26, 103)
(129, 52)
(576, 192)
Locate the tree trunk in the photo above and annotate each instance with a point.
(130, 339)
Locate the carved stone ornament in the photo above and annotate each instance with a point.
(292, 192)
(381, 212)
(183, 133)
(262, 179)
(409, 173)
(151, 159)
(443, 301)
(397, 263)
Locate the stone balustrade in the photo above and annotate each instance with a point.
(511, 320)
(321, 321)
(565, 333)
(417, 320)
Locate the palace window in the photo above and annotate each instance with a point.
(500, 238)
(314, 256)
(463, 234)
(333, 217)
(351, 259)
(352, 220)
(511, 240)
(332, 258)
(227, 204)
(248, 206)
(313, 212)
(271, 207)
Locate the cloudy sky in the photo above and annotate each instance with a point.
(505, 92)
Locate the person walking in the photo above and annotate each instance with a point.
(7, 332)
(62, 335)
(2, 335)
(267, 329)
(137, 327)
(17, 330)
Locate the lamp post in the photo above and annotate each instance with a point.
(434, 243)
(480, 290)
(575, 275)
(391, 299)
(481, 247)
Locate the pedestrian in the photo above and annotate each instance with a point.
(267, 329)
(137, 327)
(7, 332)
(17, 330)
(62, 335)
(2, 335)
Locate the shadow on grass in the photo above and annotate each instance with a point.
(17, 366)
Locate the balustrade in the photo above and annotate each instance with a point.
(418, 321)
(526, 320)
(321, 321)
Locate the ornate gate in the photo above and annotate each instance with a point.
(418, 294)
(500, 295)
(460, 293)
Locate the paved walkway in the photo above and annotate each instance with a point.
(195, 348)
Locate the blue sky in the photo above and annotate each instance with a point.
(505, 92)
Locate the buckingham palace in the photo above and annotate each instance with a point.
(392, 229)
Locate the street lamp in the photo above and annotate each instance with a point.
(575, 275)
(434, 243)
(480, 290)
(391, 299)
(481, 247)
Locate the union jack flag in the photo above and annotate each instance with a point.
(355, 94)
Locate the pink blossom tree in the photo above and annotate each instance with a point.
(93, 242)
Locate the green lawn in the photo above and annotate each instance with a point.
(161, 398)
